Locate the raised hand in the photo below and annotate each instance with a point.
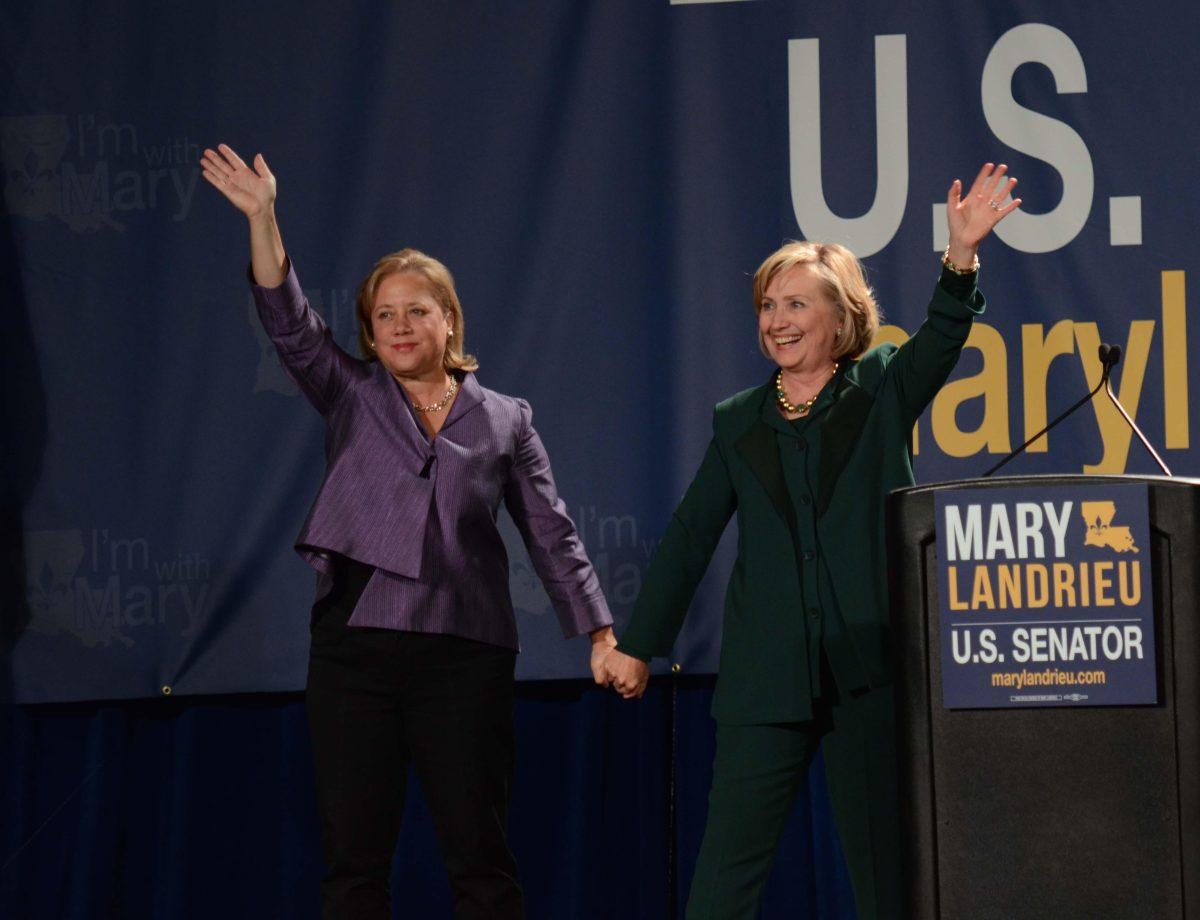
(251, 191)
(626, 674)
(972, 216)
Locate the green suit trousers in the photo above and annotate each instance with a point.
(757, 771)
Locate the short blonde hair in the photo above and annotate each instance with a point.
(441, 286)
(845, 285)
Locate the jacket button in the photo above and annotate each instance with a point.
(809, 555)
(814, 612)
(801, 444)
(805, 500)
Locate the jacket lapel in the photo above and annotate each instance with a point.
(470, 395)
(840, 430)
(394, 403)
(389, 403)
(759, 448)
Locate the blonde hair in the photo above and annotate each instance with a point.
(441, 285)
(845, 284)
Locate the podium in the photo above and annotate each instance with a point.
(1050, 802)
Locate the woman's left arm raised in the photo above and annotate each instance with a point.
(922, 364)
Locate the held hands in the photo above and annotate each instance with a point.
(626, 674)
(251, 191)
(610, 668)
(603, 642)
(972, 216)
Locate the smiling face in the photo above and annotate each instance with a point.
(408, 326)
(798, 321)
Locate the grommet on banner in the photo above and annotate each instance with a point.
(166, 690)
(676, 668)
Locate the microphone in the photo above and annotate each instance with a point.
(1110, 356)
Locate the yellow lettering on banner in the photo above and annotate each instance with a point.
(1114, 432)
(952, 575)
(1130, 582)
(1039, 349)
(897, 336)
(991, 383)
(981, 591)
(1010, 586)
(1037, 585)
(1175, 354)
(1064, 584)
(1037, 354)
(1103, 582)
(1085, 588)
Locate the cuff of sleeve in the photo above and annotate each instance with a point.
(580, 619)
(960, 287)
(952, 315)
(634, 652)
(286, 294)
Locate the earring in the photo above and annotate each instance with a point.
(370, 345)
(450, 334)
(839, 332)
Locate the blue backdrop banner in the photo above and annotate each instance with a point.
(603, 178)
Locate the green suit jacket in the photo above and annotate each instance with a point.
(865, 452)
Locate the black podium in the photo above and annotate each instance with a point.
(1058, 812)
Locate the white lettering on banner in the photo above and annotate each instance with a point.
(1078, 643)
(1029, 529)
(870, 232)
(964, 540)
(999, 539)
(1048, 139)
(965, 533)
(1058, 527)
(988, 653)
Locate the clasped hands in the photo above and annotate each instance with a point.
(627, 675)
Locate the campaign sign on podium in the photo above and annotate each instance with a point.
(1045, 596)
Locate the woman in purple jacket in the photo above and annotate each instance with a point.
(413, 636)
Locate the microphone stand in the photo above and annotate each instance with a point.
(1125, 415)
(1110, 355)
(1106, 363)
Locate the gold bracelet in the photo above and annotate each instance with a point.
(954, 268)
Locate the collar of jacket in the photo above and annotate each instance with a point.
(845, 414)
(470, 395)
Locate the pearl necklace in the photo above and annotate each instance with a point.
(784, 403)
(443, 402)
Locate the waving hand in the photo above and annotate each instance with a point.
(251, 191)
(972, 216)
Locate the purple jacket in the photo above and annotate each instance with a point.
(423, 512)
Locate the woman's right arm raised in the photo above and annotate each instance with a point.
(251, 191)
(307, 350)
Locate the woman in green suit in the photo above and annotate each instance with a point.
(806, 461)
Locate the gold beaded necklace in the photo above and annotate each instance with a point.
(443, 402)
(803, 408)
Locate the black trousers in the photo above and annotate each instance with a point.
(381, 700)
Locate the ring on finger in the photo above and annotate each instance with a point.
(993, 205)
